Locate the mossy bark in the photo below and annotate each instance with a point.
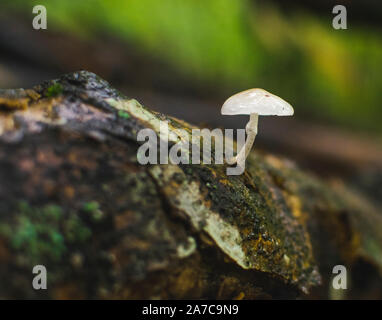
(74, 198)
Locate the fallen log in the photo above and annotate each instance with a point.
(74, 199)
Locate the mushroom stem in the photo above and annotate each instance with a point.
(251, 129)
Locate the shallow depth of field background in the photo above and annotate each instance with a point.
(185, 57)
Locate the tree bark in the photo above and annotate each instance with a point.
(74, 198)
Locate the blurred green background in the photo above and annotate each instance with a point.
(185, 57)
(224, 46)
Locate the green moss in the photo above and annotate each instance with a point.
(54, 90)
(25, 233)
(75, 231)
(93, 208)
(123, 114)
(90, 206)
(43, 234)
(36, 233)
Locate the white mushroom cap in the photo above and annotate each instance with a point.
(256, 101)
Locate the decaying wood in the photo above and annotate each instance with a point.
(74, 198)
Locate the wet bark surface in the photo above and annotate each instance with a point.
(74, 198)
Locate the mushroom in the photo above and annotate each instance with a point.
(254, 102)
